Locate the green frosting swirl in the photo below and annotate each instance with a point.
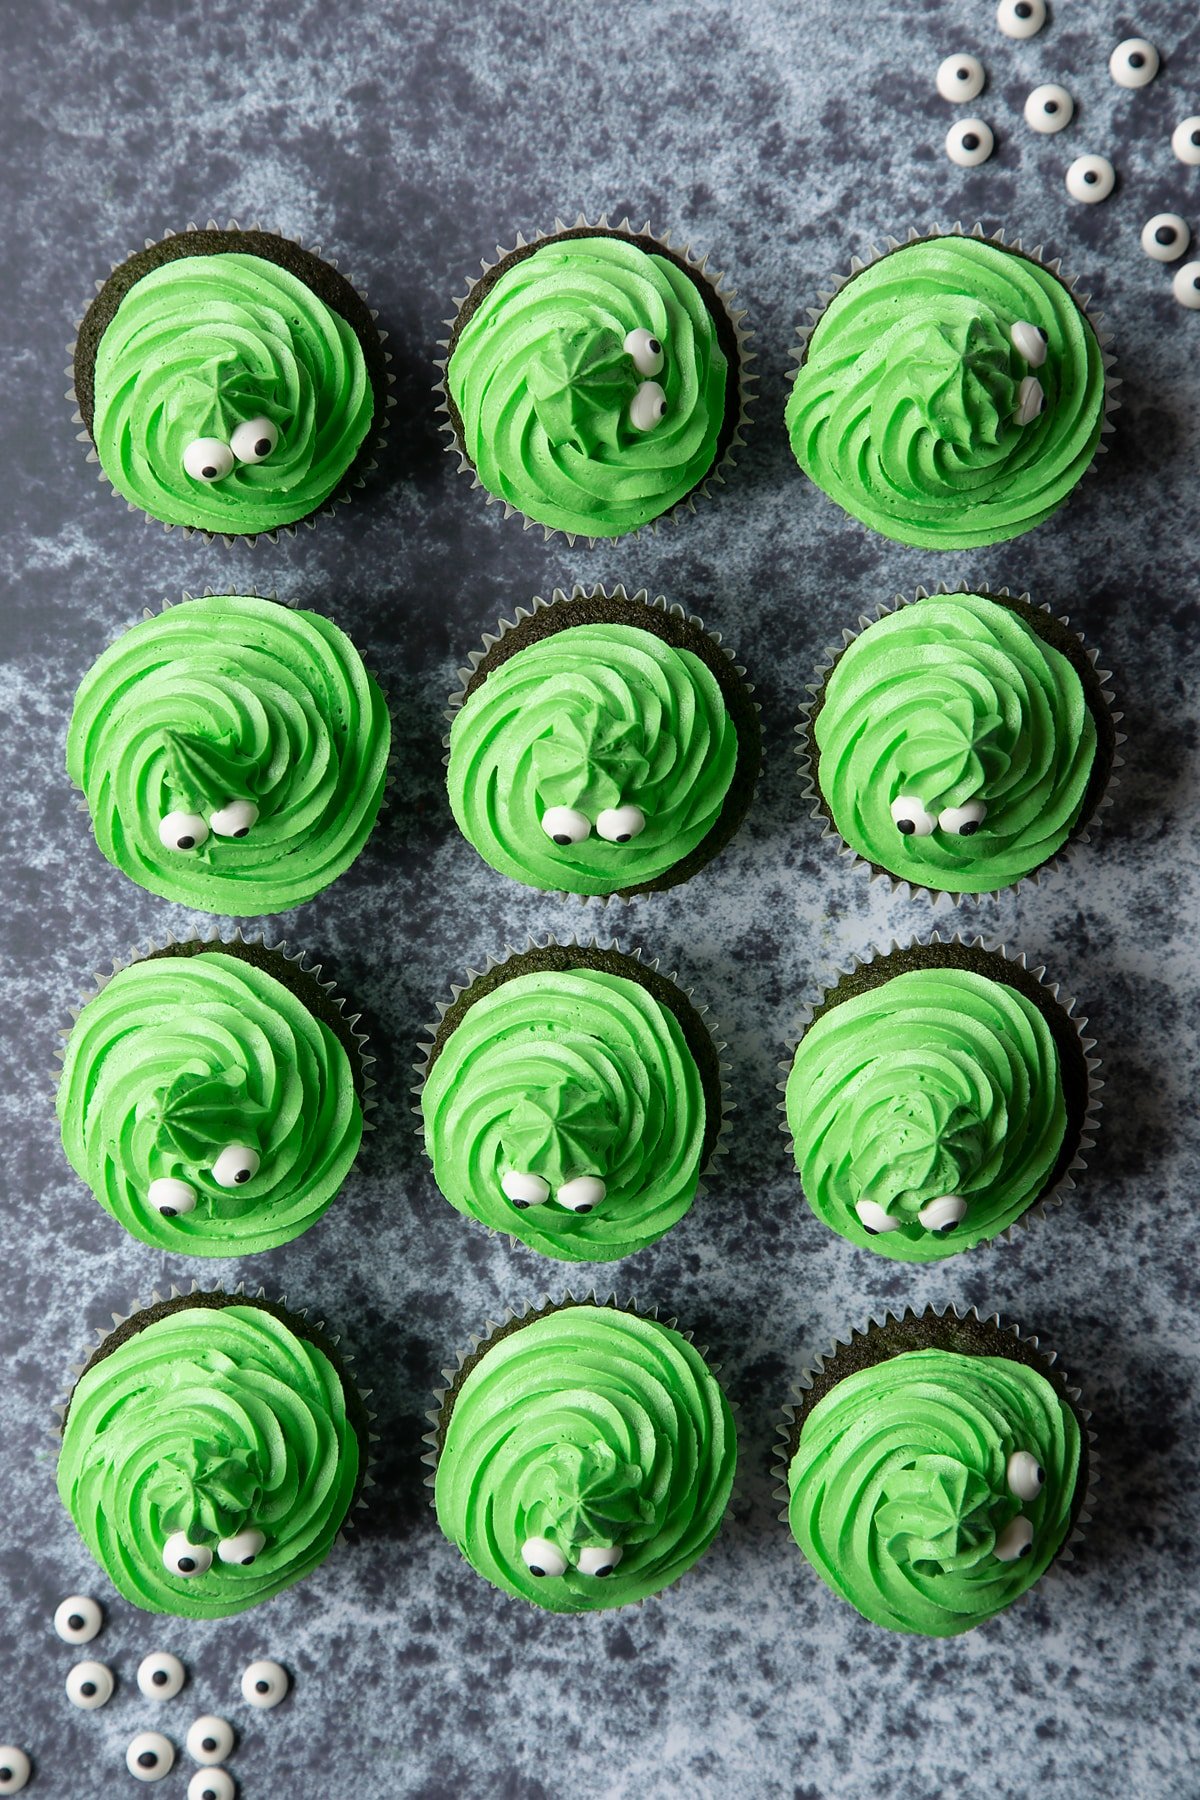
(178, 1057)
(593, 718)
(899, 1488)
(232, 698)
(586, 1427)
(210, 1421)
(204, 343)
(937, 1082)
(950, 699)
(559, 1075)
(542, 385)
(903, 408)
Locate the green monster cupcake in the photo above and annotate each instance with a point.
(583, 1456)
(231, 382)
(933, 1468)
(940, 1094)
(960, 741)
(572, 1097)
(212, 1449)
(593, 379)
(212, 1097)
(232, 752)
(950, 393)
(601, 744)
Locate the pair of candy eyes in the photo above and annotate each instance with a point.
(579, 1195)
(187, 831)
(649, 404)
(160, 1676)
(235, 1165)
(1026, 1478)
(211, 459)
(617, 824)
(181, 1557)
(911, 819)
(541, 1557)
(942, 1215)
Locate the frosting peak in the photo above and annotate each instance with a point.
(580, 1494)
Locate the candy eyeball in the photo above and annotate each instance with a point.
(910, 818)
(1185, 140)
(599, 1559)
(207, 459)
(150, 1756)
(209, 1739)
(582, 1194)
(182, 1557)
(1049, 108)
(160, 1675)
(943, 1214)
(234, 819)
(648, 407)
(959, 78)
(618, 824)
(1025, 1475)
(211, 1784)
(1021, 18)
(1133, 63)
(1186, 285)
(1029, 341)
(243, 1548)
(1031, 398)
(182, 831)
(1165, 237)
(964, 820)
(524, 1190)
(565, 825)
(969, 143)
(78, 1619)
(1015, 1540)
(264, 1684)
(541, 1557)
(15, 1769)
(645, 349)
(89, 1685)
(1091, 178)
(254, 440)
(169, 1196)
(236, 1165)
(873, 1219)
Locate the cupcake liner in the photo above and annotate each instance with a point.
(1098, 693)
(919, 1329)
(1083, 1118)
(736, 689)
(430, 1042)
(365, 461)
(697, 267)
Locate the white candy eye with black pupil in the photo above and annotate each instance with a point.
(169, 1196)
(1091, 179)
(15, 1769)
(582, 1195)
(211, 1784)
(565, 825)
(209, 1739)
(524, 1190)
(1029, 341)
(160, 1675)
(873, 1219)
(970, 143)
(1025, 1475)
(236, 1165)
(182, 1557)
(1049, 108)
(150, 1756)
(1185, 140)
(1133, 63)
(264, 1684)
(89, 1685)
(1021, 18)
(960, 78)
(1015, 1540)
(964, 820)
(943, 1214)
(234, 819)
(1186, 285)
(618, 824)
(541, 1557)
(78, 1619)
(182, 831)
(645, 349)
(910, 818)
(599, 1559)
(648, 407)
(207, 459)
(243, 1548)
(254, 440)
(1165, 237)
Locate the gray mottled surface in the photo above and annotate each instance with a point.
(407, 139)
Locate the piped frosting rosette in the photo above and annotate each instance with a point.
(583, 1457)
(211, 1451)
(233, 753)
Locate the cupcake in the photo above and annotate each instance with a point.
(939, 1094)
(212, 1097)
(950, 393)
(231, 382)
(936, 1465)
(212, 1448)
(601, 744)
(572, 1097)
(960, 742)
(593, 379)
(232, 753)
(583, 1456)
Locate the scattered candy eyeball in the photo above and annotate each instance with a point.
(872, 1218)
(648, 407)
(565, 825)
(264, 1684)
(645, 349)
(236, 1165)
(160, 1675)
(1025, 1475)
(1015, 1540)
(910, 818)
(15, 1769)
(254, 440)
(1185, 140)
(234, 819)
(541, 1557)
(944, 1213)
(1165, 237)
(969, 143)
(524, 1190)
(1186, 286)
(1021, 18)
(211, 1784)
(169, 1196)
(960, 78)
(599, 1559)
(150, 1756)
(1091, 178)
(78, 1619)
(618, 824)
(209, 1739)
(243, 1548)
(181, 1557)
(1029, 341)
(964, 820)
(207, 459)
(182, 831)
(1133, 63)
(1049, 108)
(89, 1685)
(582, 1194)
(1031, 398)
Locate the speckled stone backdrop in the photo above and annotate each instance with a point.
(407, 139)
